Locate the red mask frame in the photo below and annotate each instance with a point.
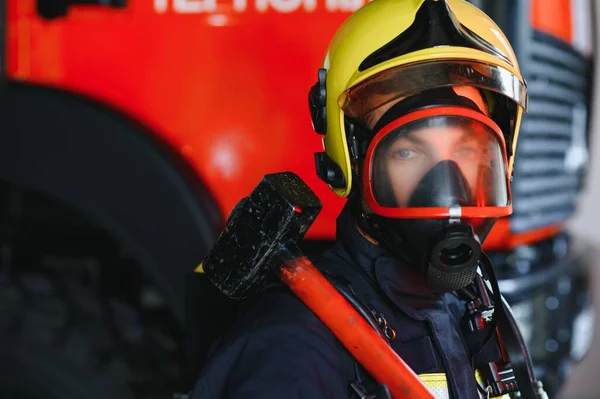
(467, 212)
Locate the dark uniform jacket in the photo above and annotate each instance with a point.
(279, 349)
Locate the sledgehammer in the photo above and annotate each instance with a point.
(259, 245)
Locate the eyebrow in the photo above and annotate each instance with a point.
(467, 134)
(413, 139)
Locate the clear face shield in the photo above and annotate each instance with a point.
(407, 81)
(435, 176)
(437, 163)
(443, 161)
(488, 185)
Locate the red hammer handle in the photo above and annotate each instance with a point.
(353, 331)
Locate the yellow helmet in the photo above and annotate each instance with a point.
(391, 49)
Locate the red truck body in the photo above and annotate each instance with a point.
(223, 83)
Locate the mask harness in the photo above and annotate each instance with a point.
(487, 313)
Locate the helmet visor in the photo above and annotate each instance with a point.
(408, 80)
(437, 161)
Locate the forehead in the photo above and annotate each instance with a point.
(469, 92)
(438, 134)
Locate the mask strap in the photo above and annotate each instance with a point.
(511, 339)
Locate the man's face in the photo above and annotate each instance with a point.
(407, 158)
(405, 155)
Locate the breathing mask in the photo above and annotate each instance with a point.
(434, 180)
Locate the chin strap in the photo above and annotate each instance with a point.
(511, 341)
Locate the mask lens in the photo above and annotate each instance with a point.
(439, 161)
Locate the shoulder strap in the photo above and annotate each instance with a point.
(358, 293)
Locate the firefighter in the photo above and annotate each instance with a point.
(419, 103)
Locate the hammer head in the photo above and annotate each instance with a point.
(272, 219)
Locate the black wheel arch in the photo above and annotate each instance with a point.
(114, 171)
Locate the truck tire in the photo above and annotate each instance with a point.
(59, 339)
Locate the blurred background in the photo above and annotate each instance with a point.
(130, 128)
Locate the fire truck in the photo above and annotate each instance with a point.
(130, 128)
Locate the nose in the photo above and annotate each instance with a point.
(443, 186)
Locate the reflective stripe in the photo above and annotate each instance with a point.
(438, 385)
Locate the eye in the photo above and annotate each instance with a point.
(405, 153)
